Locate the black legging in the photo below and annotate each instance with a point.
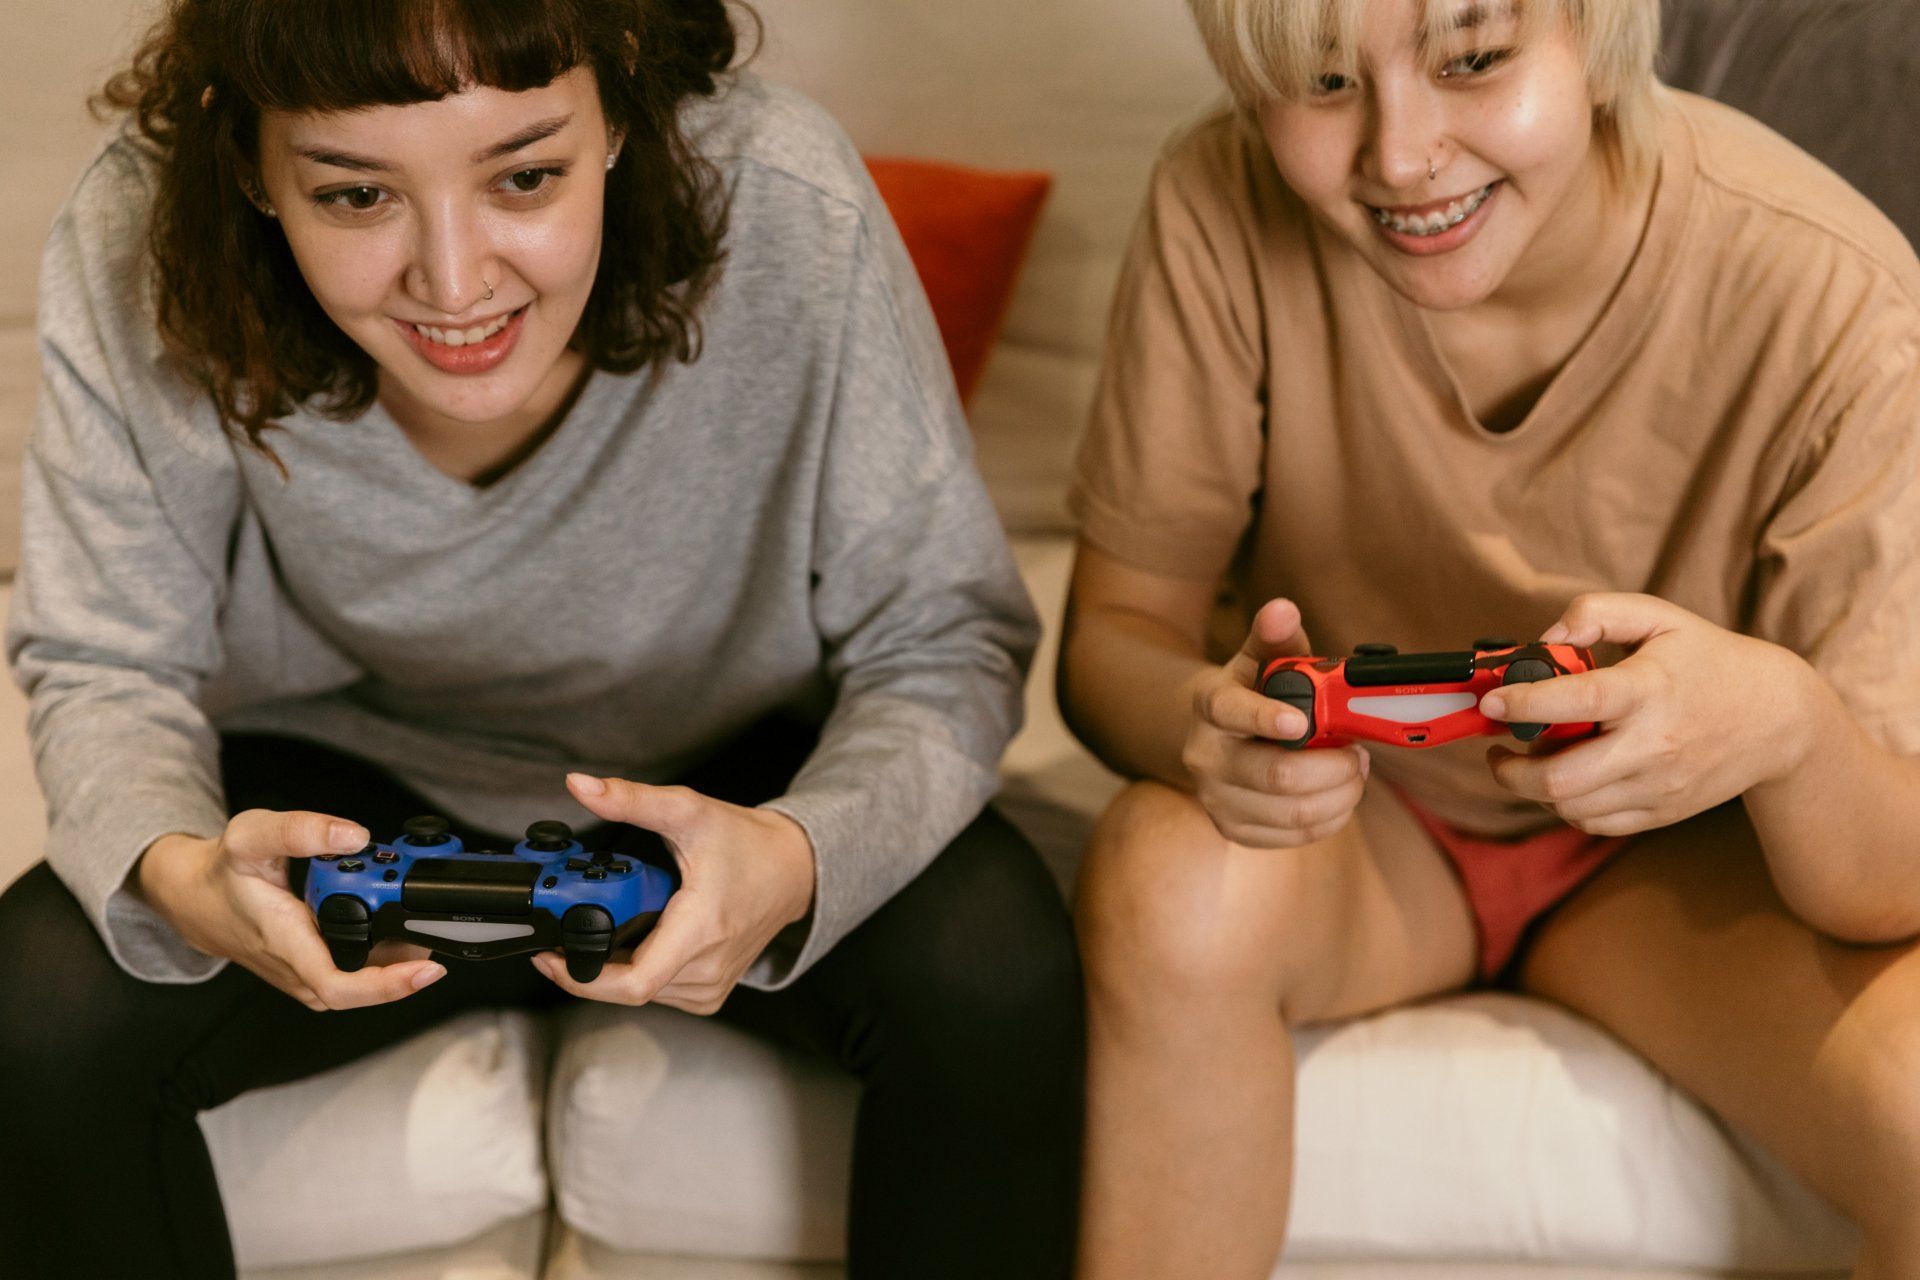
(957, 1004)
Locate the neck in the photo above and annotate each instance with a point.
(481, 452)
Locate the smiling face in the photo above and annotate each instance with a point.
(1502, 115)
(402, 218)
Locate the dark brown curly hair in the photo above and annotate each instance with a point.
(233, 306)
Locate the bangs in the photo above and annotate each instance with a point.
(1278, 49)
(338, 55)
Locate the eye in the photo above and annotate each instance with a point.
(529, 182)
(1330, 83)
(1476, 63)
(350, 198)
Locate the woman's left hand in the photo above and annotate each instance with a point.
(1694, 716)
(745, 874)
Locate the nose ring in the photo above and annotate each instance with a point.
(1431, 175)
(489, 297)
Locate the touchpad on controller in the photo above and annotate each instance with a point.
(468, 886)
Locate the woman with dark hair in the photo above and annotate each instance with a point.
(509, 411)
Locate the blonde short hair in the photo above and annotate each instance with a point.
(1268, 49)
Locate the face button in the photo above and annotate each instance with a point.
(326, 857)
(578, 864)
(621, 868)
(353, 864)
(602, 859)
(385, 855)
(596, 873)
(549, 882)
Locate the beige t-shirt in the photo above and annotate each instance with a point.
(1737, 433)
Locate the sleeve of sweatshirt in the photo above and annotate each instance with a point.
(127, 508)
(926, 626)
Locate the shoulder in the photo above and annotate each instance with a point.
(1217, 202)
(99, 232)
(1782, 217)
(770, 135)
(1220, 169)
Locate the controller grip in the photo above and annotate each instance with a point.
(1525, 671)
(586, 936)
(346, 925)
(1296, 690)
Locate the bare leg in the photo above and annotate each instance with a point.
(1199, 954)
(1683, 949)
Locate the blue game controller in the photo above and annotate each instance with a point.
(478, 904)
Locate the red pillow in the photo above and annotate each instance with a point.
(966, 231)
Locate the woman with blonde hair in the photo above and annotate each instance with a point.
(1457, 324)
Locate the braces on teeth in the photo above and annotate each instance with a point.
(1434, 223)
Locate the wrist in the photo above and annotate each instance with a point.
(794, 849)
(166, 862)
(1812, 718)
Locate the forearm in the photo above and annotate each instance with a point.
(1838, 827)
(1125, 689)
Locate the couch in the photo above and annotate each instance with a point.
(1482, 1135)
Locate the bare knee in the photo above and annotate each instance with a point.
(1172, 916)
(1867, 1073)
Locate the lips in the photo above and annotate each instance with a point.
(1438, 227)
(473, 357)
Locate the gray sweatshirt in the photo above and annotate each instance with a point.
(792, 523)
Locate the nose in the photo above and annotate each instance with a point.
(1403, 136)
(453, 265)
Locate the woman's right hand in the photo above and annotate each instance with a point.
(1256, 791)
(229, 897)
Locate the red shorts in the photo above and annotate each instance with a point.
(1512, 884)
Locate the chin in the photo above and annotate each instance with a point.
(1443, 295)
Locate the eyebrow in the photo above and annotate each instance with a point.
(1479, 14)
(506, 146)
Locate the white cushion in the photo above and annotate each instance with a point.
(1485, 1127)
(679, 1134)
(427, 1143)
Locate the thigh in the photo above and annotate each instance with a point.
(1370, 917)
(73, 1020)
(978, 943)
(1685, 951)
(212, 1040)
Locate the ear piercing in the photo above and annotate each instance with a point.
(258, 197)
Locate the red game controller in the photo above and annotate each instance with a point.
(1417, 699)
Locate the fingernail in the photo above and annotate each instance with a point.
(431, 973)
(1366, 763)
(587, 783)
(1493, 706)
(345, 835)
